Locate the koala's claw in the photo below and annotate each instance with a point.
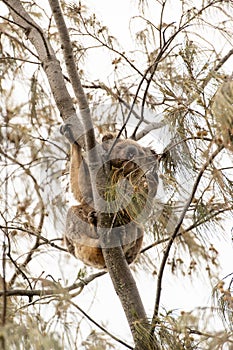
(92, 218)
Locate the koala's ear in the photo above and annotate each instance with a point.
(150, 152)
(107, 141)
(108, 136)
(154, 154)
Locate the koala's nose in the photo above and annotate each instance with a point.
(131, 152)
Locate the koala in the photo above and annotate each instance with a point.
(130, 185)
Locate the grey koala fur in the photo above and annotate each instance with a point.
(133, 175)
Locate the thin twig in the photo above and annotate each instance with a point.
(41, 221)
(99, 326)
(36, 234)
(175, 233)
(55, 291)
(191, 227)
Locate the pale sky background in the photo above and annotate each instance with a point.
(179, 293)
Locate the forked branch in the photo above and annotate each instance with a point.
(120, 273)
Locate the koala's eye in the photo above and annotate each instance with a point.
(141, 153)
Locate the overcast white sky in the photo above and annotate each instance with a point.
(178, 293)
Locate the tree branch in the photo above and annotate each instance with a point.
(56, 291)
(74, 77)
(126, 288)
(213, 72)
(148, 128)
(40, 224)
(36, 234)
(49, 62)
(175, 233)
(118, 268)
(99, 326)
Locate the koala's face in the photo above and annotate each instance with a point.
(128, 154)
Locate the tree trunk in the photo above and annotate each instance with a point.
(118, 268)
